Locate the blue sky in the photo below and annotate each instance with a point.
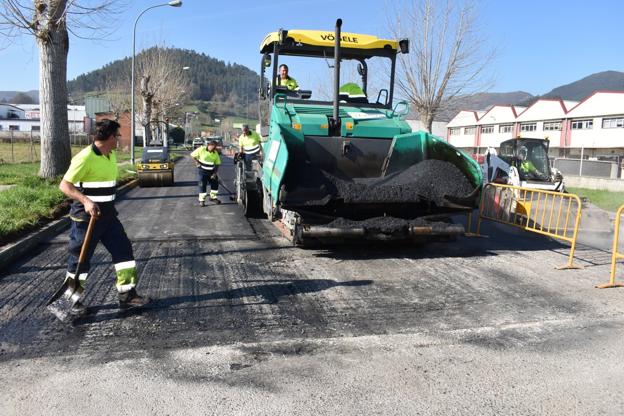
(541, 44)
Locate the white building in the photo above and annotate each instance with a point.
(438, 128)
(26, 118)
(596, 125)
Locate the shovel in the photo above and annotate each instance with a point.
(62, 301)
(231, 194)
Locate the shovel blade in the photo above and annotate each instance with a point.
(61, 302)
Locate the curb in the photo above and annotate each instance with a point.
(17, 249)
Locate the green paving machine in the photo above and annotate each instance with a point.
(349, 167)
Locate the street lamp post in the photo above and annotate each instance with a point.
(173, 3)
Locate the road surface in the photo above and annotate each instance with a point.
(244, 323)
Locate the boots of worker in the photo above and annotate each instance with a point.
(215, 200)
(202, 203)
(131, 299)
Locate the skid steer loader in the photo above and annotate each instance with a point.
(522, 162)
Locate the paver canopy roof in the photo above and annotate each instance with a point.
(319, 42)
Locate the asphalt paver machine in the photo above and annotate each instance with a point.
(350, 168)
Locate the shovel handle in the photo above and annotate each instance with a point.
(85, 244)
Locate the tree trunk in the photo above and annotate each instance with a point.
(53, 44)
(147, 110)
(426, 118)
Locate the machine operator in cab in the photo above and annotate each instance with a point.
(286, 80)
(526, 167)
(91, 182)
(207, 160)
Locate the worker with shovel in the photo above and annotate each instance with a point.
(207, 160)
(91, 182)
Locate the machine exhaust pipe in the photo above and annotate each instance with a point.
(334, 122)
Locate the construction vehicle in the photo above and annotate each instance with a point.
(198, 142)
(522, 162)
(156, 167)
(349, 169)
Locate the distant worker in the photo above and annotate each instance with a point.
(526, 167)
(91, 182)
(207, 160)
(249, 145)
(286, 80)
(354, 93)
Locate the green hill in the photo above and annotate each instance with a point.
(211, 79)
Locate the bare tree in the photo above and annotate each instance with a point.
(50, 22)
(447, 56)
(163, 86)
(115, 92)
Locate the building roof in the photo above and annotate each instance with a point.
(465, 118)
(543, 109)
(498, 114)
(600, 103)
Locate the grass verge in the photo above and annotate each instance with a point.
(609, 201)
(27, 204)
(34, 201)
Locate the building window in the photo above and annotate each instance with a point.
(612, 123)
(528, 127)
(13, 127)
(35, 128)
(505, 128)
(454, 131)
(582, 124)
(552, 125)
(487, 129)
(469, 130)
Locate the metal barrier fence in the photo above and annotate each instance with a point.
(615, 256)
(552, 214)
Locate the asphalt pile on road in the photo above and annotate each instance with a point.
(431, 180)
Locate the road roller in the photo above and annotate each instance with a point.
(155, 168)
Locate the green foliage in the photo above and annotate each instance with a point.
(11, 174)
(609, 201)
(33, 198)
(211, 79)
(26, 204)
(23, 98)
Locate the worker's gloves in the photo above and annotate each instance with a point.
(237, 157)
(213, 176)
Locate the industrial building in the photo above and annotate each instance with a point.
(25, 118)
(593, 127)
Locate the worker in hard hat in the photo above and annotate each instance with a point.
(286, 80)
(249, 145)
(207, 160)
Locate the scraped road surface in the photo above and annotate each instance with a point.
(245, 324)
